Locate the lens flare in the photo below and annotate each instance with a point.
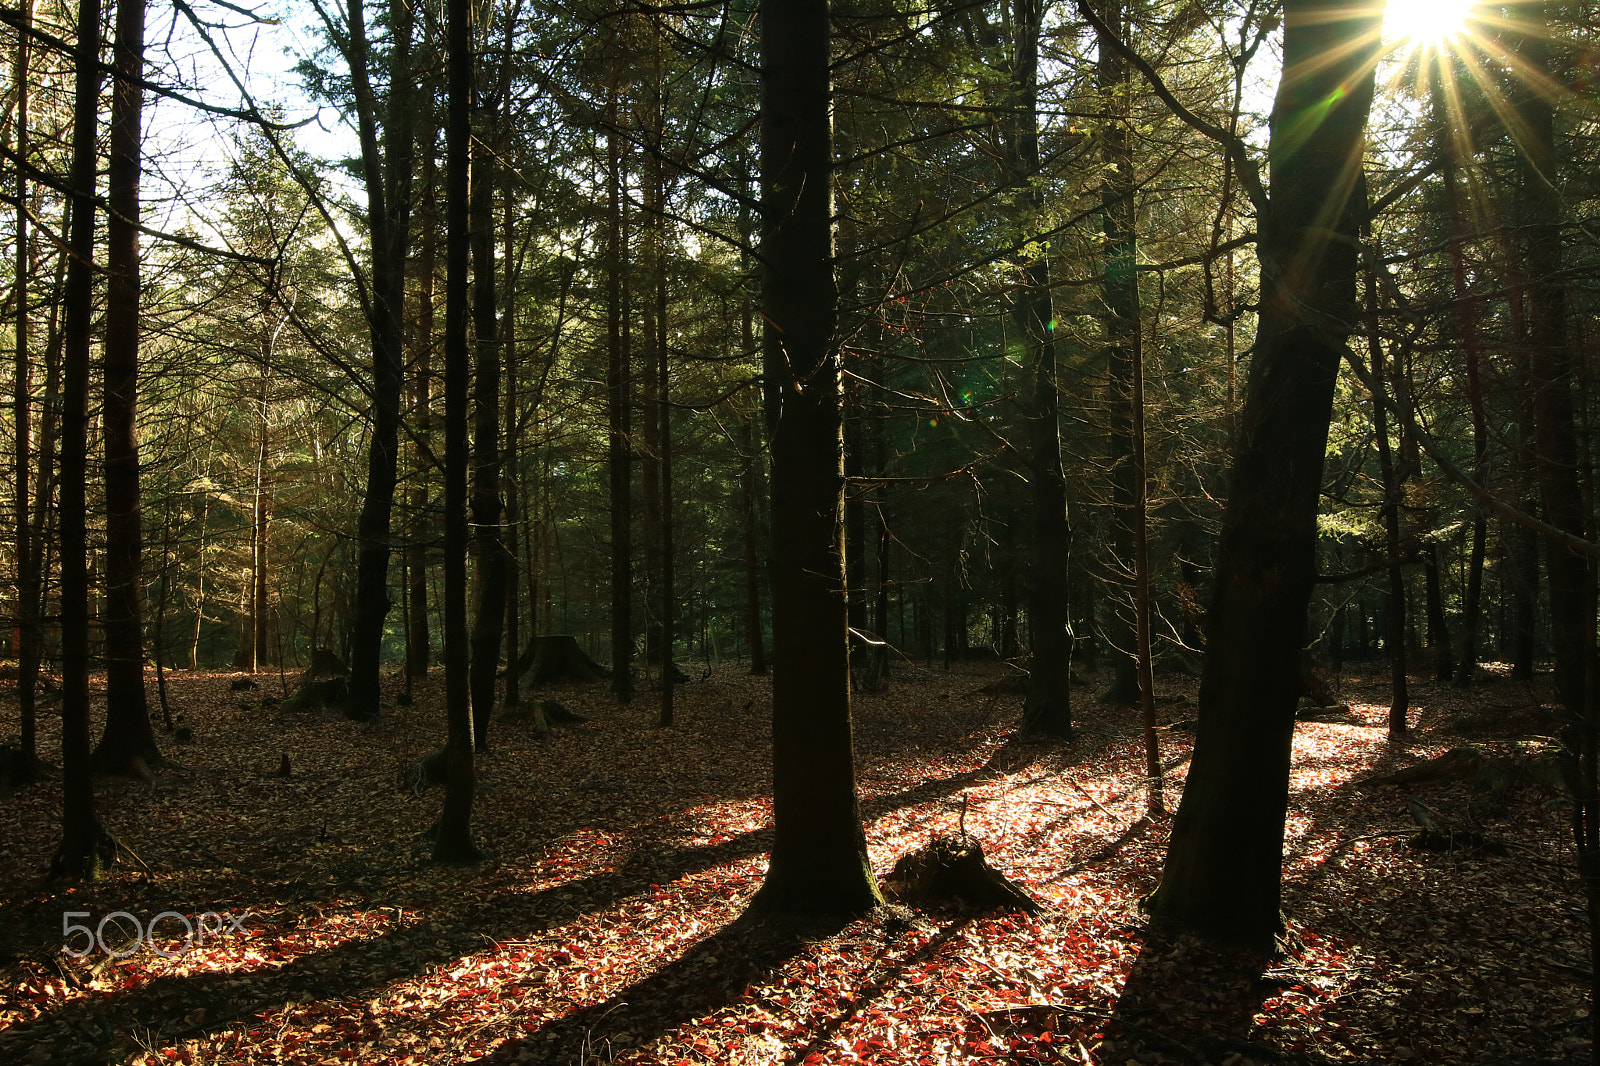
(1426, 22)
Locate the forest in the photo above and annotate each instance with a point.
(799, 532)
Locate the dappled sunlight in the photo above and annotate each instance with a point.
(610, 919)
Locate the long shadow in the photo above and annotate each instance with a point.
(1192, 999)
(711, 974)
(359, 968)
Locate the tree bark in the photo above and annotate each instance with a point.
(1119, 293)
(1466, 320)
(418, 638)
(452, 841)
(127, 735)
(1395, 613)
(1223, 872)
(751, 504)
(85, 848)
(508, 346)
(28, 637)
(669, 605)
(819, 855)
(619, 412)
(492, 572)
(387, 177)
(1047, 710)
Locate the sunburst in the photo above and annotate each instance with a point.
(1426, 23)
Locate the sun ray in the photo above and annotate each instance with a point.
(1426, 23)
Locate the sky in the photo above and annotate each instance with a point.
(189, 151)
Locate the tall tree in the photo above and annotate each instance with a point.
(85, 847)
(1048, 709)
(452, 841)
(128, 736)
(819, 852)
(1453, 152)
(1395, 607)
(1119, 296)
(1552, 375)
(27, 626)
(619, 420)
(489, 547)
(418, 640)
(386, 166)
(1223, 872)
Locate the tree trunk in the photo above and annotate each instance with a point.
(452, 841)
(258, 562)
(387, 177)
(492, 572)
(127, 735)
(669, 606)
(1119, 292)
(752, 532)
(1223, 872)
(418, 639)
(28, 637)
(1522, 560)
(619, 417)
(508, 344)
(1395, 613)
(1466, 319)
(1438, 628)
(650, 432)
(1551, 373)
(84, 850)
(200, 589)
(819, 855)
(1047, 711)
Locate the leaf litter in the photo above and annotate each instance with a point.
(607, 924)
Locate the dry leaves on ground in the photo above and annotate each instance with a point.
(606, 925)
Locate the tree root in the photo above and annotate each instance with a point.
(954, 867)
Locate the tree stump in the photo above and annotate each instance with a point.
(954, 867)
(325, 683)
(540, 716)
(559, 658)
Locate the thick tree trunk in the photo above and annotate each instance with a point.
(1552, 375)
(387, 177)
(84, 849)
(1047, 710)
(508, 344)
(492, 571)
(127, 735)
(619, 417)
(819, 855)
(1466, 319)
(1119, 293)
(1223, 872)
(452, 841)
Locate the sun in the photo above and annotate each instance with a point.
(1426, 22)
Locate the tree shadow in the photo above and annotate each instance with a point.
(360, 968)
(1188, 997)
(711, 974)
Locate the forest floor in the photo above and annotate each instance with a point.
(605, 925)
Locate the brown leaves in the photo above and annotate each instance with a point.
(603, 927)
